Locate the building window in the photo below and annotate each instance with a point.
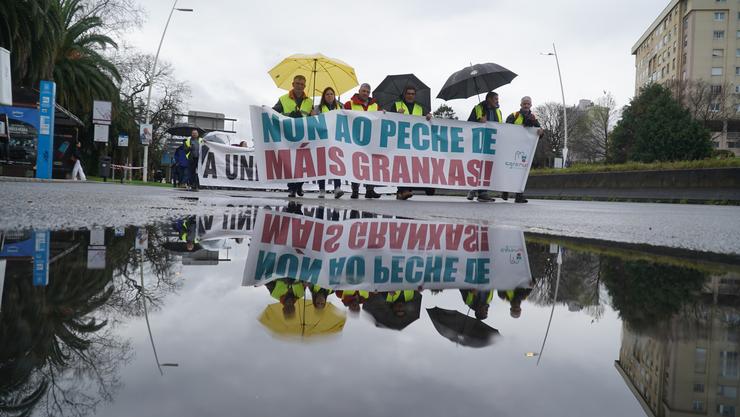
(700, 360)
(737, 89)
(738, 15)
(697, 405)
(714, 107)
(729, 364)
(727, 391)
(719, 16)
(715, 145)
(720, 1)
(726, 410)
(718, 52)
(733, 145)
(719, 34)
(698, 387)
(716, 70)
(715, 89)
(737, 52)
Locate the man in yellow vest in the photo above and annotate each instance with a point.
(486, 111)
(478, 301)
(287, 291)
(515, 298)
(408, 105)
(526, 118)
(295, 104)
(362, 101)
(192, 153)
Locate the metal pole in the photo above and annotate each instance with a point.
(149, 93)
(554, 301)
(146, 313)
(565, 115)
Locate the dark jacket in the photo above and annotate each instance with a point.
(529, 119)
(486, 108)
(180, 159)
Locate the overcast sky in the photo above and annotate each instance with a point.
(225, 48)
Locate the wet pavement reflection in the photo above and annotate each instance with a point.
(287, 309)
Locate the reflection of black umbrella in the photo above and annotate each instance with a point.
(391, 89)
(461, 329)
(184, 129)
(475, 79)
(384, 315)
(180, 247)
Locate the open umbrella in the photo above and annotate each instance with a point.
(392, 87)
(384, 315)
(181, 247)
(320, 72)
(307, 322)
(475, 79)
(461, 329)
(184, 129)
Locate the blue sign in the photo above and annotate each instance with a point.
(25, 115)
(41, 259)
(20, 249)
(44, 152)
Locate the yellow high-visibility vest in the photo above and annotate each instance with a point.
(281, 288)
(417, 111)
(471, 296)
(289, 105)
(358, 107)
(519, 120)
(408, 295)
(479, 113)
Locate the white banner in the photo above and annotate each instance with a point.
(388, 149)
(101, 133)
(384, 254)
(145, 133)
(6, 85)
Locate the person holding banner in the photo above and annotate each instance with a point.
(526, 118)
(408, 105)
(287, 291)
(485, 111)
(515, 298)
(362, 101)
(478, 301)
(318, 296)
(295, 104)
(328, 103)
(353, 298)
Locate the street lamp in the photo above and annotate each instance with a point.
(151, 81)
(565, 117)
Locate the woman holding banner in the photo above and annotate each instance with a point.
(328, 103)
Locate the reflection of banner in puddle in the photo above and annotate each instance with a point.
(232, 224)
(385, 254)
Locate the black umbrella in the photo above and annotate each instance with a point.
(184, 129)
(461, 329)
(475, 79)
(385, 316)
(181, 247)
(391, 90)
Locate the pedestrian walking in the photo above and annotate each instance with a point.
(77, 170)
(523, 117)
(362, 101)
(328, 103)
(486, 111)
(407, 105)
(295, 104)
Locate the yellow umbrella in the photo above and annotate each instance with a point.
(308, 321)
(320, 72)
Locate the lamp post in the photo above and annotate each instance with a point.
(565, 116)
(151, 81)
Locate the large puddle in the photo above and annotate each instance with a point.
(307, 310)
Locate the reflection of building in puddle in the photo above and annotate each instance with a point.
(689, 365)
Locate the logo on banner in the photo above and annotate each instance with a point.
(519, 162)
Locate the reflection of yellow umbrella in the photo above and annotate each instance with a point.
(320, 72)
(308, 321)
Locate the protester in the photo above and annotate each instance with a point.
(287, 291)
(526, 118)
(478, 301)
(408, 105)
(328, 103)
(515, 298)
(77, 171)
(353, 298)
(295, 104)
(182, 163)
(192, 152)
(362, 101)
(486, 111)
(318, 296)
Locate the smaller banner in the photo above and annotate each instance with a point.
(6, 85)
(145, 133)
(102, 111)
(101, 133)
(122, 140)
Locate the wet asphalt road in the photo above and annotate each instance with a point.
(73, 205)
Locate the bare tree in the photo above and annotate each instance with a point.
(119, 16)
(550, 115)
(712, 104)
(591, 130)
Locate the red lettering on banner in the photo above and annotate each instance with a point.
(453, 236)
(438, 171)
(318, 235)
(275, 229)
(420, 170)
(400, 170)
(376, 238)
(487, 172)
(278, 164)
(471, 242)
(457, 173)
(435, 236)
(332, 244)
(398, 234)
(474, 170)
(300, 232)
(380, 168)
(417, 236)
(484, 239)
(335, 155)
(360, 163)
(357, 233)
(321, 161)
(304, 164)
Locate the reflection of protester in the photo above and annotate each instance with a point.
(76, 156)
(515, 298)
(192, 148)
(186, 231)
(408, 105)
(478, 301)
(353, 298)
(295, 104)
(318, 296)
(287, 291)
(182, 163)
(526, 118)
(485, 111)
(397, 299)
(328, 103)
(361, 101)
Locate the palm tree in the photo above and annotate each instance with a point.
(81, 72)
